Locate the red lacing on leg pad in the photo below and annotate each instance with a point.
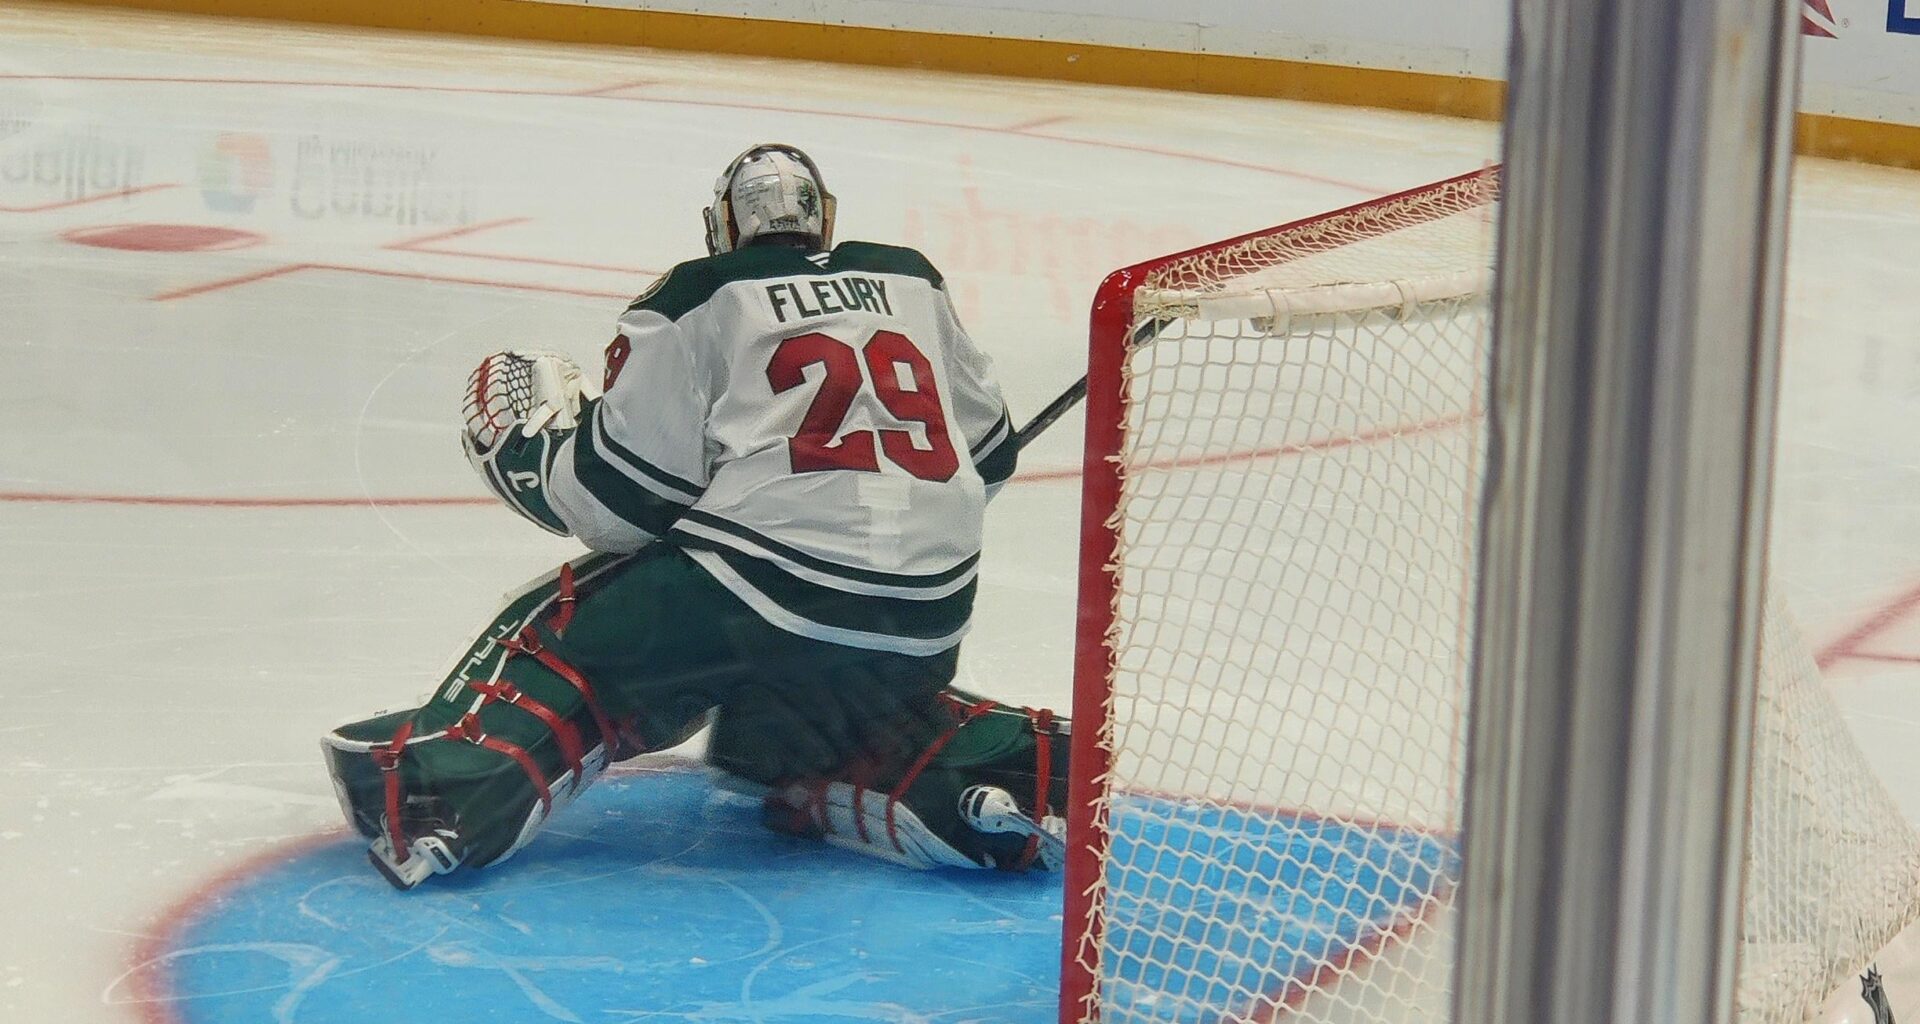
(468, 728)
(819, 801)
(967, 714)
(563, 730)
(564, 602)
(860, 775)
(1042, 720)
(387, 758)
(528, 643)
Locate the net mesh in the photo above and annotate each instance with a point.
(1833, 871)
(1286, 725)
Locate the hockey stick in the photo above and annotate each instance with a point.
(1046, 417)
(1071, 397)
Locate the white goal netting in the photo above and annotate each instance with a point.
(1298, 482)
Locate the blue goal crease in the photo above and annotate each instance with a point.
(659, 898)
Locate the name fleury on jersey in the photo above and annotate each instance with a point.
(833, 295)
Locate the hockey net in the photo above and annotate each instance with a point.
(1285, 448)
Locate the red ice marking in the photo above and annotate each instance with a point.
(163, 237)
(229, 282)
(423, 244)
(1039, 122)
(1876, 623)
(84, 200)
(190, 501)
(1203, 158)
(148, 979)
(404, 275)
(477, 282)
(1294, 993)
(1899, 659)
(402, 501)
(1276, 451)
(441, 236)
(616, 87)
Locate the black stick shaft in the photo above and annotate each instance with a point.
(1146, 332)
(1054, 410)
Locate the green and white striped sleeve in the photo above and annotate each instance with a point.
(979, 410)
(637, 461)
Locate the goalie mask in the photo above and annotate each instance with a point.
(770, 189)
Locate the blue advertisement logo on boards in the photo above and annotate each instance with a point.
(1903, 16)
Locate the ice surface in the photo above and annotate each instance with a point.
(232, 509)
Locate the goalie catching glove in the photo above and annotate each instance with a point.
(520, 407)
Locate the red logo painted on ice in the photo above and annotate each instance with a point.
(1816, 19)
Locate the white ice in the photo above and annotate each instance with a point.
(422, 202)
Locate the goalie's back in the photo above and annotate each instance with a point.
(817, 429)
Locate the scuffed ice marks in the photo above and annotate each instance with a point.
(652, 899)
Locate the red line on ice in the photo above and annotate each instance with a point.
(541, 261)
(1898, 659)
(149, 978)
(1322, 977)
(405, 275)
(1878, 621)
(421, 245)
(616, 87)
(84, 200)
(1036, 476)
(1276, 451)
(441, 236)
(1039, 122)
(714, 104)
(443, 279)
(230, 282)
(321, 84)
(190, 501)
(1293, 991)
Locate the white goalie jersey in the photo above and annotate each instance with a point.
(818, 432)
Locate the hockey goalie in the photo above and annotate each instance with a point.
(781, 479)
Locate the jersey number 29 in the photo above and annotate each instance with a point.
(902, 380)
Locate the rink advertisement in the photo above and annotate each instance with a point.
(1903, 16)
(1862, 59)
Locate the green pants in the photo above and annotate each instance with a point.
(618, 655)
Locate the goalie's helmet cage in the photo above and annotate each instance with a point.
(1286, 442)
(771, 189)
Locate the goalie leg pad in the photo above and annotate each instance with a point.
(988, 792)
(851, 816)
(608, 657)
(469, 793)
(821, 709)
(514, 733)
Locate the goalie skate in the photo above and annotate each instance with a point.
(436, 853)
(993, 810)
